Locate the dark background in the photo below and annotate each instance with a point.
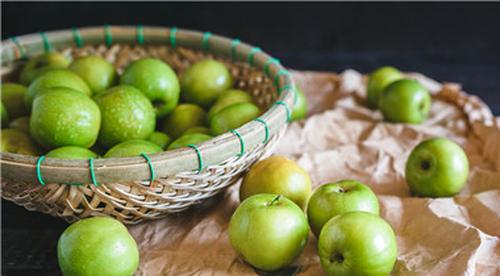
(457, 42)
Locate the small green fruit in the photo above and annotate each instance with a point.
(21, 123)
(232, 117)
(5, 115)
(197, 129)
(71, 152)
(183, 117)
(160, 138)
(96, 71)
(43, 63)
(228, 98)
(13, 99)
(300, 107)
(378, 81)
(187, 139)
(16, 141)
(132, 148)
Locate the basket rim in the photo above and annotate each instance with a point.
(166, 163)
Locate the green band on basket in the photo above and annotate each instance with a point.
(140, 34)
(288, 113)
(204, 43)
(283, 88)
(242, 142)
(108, 36)
(172, 36)
(39, 171)
(77, 38)
(281, 72)
(19, 47)
(266, 128)
(252, 53)
(151, 168)
(198, 153)
(234, 51)
(92, 172)
(268, 64)
(46, 43)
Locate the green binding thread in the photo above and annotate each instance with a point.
(281, 72)
(151, 168)
(77, 37)
(140, 34)
(92, 172)
(252, 53)
(266, 128)
(288, 113)
(242, 142)
(172, 35)
(268, 64)
(46, 43)
(108, 36)
(19, 47)
(283, 88)
(39, 171)
(200, 159)
(204, 43)
(234, 52)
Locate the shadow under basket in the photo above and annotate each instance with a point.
(148, 187)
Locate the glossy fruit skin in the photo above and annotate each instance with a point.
(268, 231)
(437, 167)
(97, 72)
(132, 148)
(232, 117)
(228, 98)
(277, 175)
(157, 81)
(126, 115)
(97, 246)
(405, 101)
(16, 141)
(161, 139)
(40, 64)
(182, 118)
(300, 106)
(21, 123)
(357, 243)
(5, 115)
(53, 79)
(13, 99)
(378, 81)
(64, 117)
(71, 152)
(197, 129)
(184, 140)
(204, 81)
(332, 199)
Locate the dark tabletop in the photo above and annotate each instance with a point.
(457, 42)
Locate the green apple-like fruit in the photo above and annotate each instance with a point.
(52, 79)
(332, 199)
(43, 63)
(156, 80)
(187, 139)
(13, 99)
(228, 98)
(126, 115)
(132, 148)
(405, 101)
(21, 123)
(16, 141)
(96, 71)
(71, 152)
(183, 117)
(437, 167)
(204, 81)
(233, 116)
(197, 129)
(300, 106)
(277, 175)
(269, 231)
(5, 115)
(160, 138)
(64, 117)
(357, 243)
(97, 246)
(378, 81)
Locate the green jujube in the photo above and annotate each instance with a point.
(183, 117)
(185, 140)
(232, 117)
(132, 148)
(13, 99)
(228, 98)
(197, 129)
(71, 152)
(97, 72)
(160, 138)
(300, 106)
(16, 141)
(41, 64)
(21, 123)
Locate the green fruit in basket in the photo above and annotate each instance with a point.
(156, 80)
(71, 152)
(43, 63)
(378, 81)
(357, 243)
(232, 117)
(97, 246)
(132, 148)
(204, 81)
(197, 129)
(16, 141)
(405, 101)
(21, 123)
(332, 199)
(5, 115)
(437, 167)
(187, 139)
(182, 118)
(126, 114)
(277, 175)
(228, 98)
(13, 99)
(96, 71)
(269, 231)
(160, 138)
(300, 107)
(64, 117)
(52, 79)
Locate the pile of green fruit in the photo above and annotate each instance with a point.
(83, 109)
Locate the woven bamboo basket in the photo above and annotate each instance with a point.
(135, 189)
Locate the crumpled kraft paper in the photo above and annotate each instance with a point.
(340, 139)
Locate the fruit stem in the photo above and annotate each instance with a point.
(274, 200)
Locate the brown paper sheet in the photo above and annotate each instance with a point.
(343, 139)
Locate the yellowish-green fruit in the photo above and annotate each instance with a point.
(97, 72)
(21, 123)
(16, 141)
(70, 152)
(13, 99)
(300, 106)
(40, 64)
(5, 115)
(160, 138)
(183, 117)
(378, 81)
(132, 148)
(233, 116)
(188, 139)
(197, 129)
(228, 98)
